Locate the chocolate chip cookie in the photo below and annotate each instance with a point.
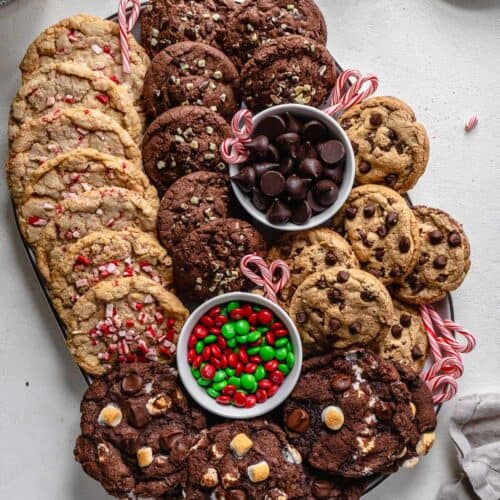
(207, 261)
(165, 22)
(338, 308)
(245, 460)
(383, 232)
(443, 259)
(190, 202)
(258, 21)
(351, 414)
(290, 69)
(137, 427)
(391, 147)
(122, 321)
(406, 342)
(62, 131)
(69, 175)
(192, 73)
(308, 252)
(105, 255)
(183, 140)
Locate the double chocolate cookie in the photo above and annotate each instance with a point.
(207, 261)
(290, 69)
(192, 73)
(183, 140)
(137, 427)
(243, 461)
(190, 202)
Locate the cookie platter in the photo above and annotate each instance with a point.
(89, 213)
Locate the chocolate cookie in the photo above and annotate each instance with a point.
(258, 21)
(124, 320)
(245, 460)
(351, 414)
(406, 342)
(192, 73)
(183, 140)
(290, 69)
(207, 261)
(338, 308)
(383, 232)
(137, 426)
(190, 202)
(443, 259)
(391, 147)
(308, 252)
(165, 22)
(328, 487)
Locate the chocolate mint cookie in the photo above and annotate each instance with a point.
(190, 202)
(442, 262)
(192, 73)
(207, 261)
(351, 414)
(183, 140)
(258, 21)
(137, 427)
(290, 69)
(243, 461)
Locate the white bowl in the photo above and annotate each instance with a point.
(338, 133)
(199, 394)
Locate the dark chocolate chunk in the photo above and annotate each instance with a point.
(258, 147)
(137, 414)
(404, 244)
(436, 237)
(273, 153)
(298, 420)
(343, 276)
(369, 211)
(314, 132)
(301, 213)
(263, 167)
(301, 318)
(272, 183)
(316, 207)
(245, 178)
(391, 219)
(405, 320)
(396, 331)
(340, 382)
(331, 152)
(293, 124)
(297, 187)
(278, 212)
(440, 262)
(364, 167)
(334, 324)
(287, 165)
(260, 200)
(272, 126)
(454, 239)
(131, 384)
(311, 168)
(326, 192)
(355, 328)
(334, 174)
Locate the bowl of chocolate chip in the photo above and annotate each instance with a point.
(300, 169)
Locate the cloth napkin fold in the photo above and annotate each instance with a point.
(475, 431)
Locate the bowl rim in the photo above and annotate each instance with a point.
(349, 171)
(198, 393)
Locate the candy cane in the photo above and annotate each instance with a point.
(471, 123)
(126, 26)
(233, 150)
(268, 279)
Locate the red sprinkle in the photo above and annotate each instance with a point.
(83, 259)
(102, 98)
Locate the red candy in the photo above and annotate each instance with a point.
(272, 390)
(239, 369)
(200, 331)
(220, 321)
(191, 356)
(251, 401)
(229, 390)
(214, 312)
(261, 396)
(265, 384)
(277, 326)
(252, 319)
(221, 341)
(232, 360)
(216, 351)
(206, 354)
(240, 399)
(223, 400)
(247, 310)
(243, 356)
(208, 372)
(277, 377)
(264, 317)
(197, 361)
(250, 368)
(216, 362)
(255, 359)
(192, 341)
(270, 339)
(207, 321)
(281, 333)
(271, 366)
(236, 314)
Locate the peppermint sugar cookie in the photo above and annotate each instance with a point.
(124, 320)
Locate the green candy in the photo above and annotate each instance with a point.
(230, 372)
(223, 311)
(253, 337)
(289, 347)
(203, 382)
(254, 388)
(199, 347)
(219, 385)
(236, 381)
(260, 373)
(231, 343)
(256, 308)
(196, 373)
(253, 350)
(263, 329)
(242, 327)
(219, 376)
(210, 339)
(290, 360)
(280, 354)
(232, 305)
(213, 393)
(228, 331)
(248, 381)
(267, 353)
(242, 339)
(281, 342)
(283, 369)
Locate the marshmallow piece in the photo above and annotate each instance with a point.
(333, 417)
(403, 452)
(144, 456)
(410, 463)
(425, 443)
(210, 478)
(110, 415)
(276, 494)
(102, 452)
(258, 472)
(292, 455)
(366, 445)
(241, 444)
(230, 478)
(413, 408)
(216, 452)
(158, 404)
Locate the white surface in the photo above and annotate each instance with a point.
(442, 56)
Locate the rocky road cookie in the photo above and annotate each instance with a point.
(258, 21)
(71, 174)
(192, 73)
(308, 252)
(443, 259)
(105, 255)
(137, 427)
(339, 307)
(64, 85)
(183, 140)
(290, 69)
(243, 461)
(62, 131)
(92, 41)
(383, 232)
(351, 414)
(406, 342)
(207, 261)
(124, 320)
(165, 22)
(391, 147)
(191, 201)
(116, 209)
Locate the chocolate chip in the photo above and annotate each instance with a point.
(170, 439)
(396, 331)
(383, 410)
(306, 151)
(245, 179)
(343, 276)
(129, 441)
(272, 183)
(355, 328)
(301, 318)
(391, 219)
(278, 212)
(416, 353)
(369, 211)
(298, 420)
(334, 174)
(322, 488)
(137, 413)
(310, 168)
(355, 147)
(454, 239)
(390, 179)
(287, 165)
(330, 259)
(261, 168)
(315, 206)
(289, 142)
(293, 124)
(260, 200)
(331, 152)
(272, 126)
(375, 119)
(367, 296)
(286, 250)
(405, 320)
(333, 325)
(404, 244)
(301, 213)
(440, 262)
(396, 271)
(131, 383)
(392, 135)
(258, 147)
(321, 282)
(273, 153)
(379, 254)
(423, 259)
(297, 187)
(364, 167)
(436, 237)
(314, 132)
(351, 212)
(382, 231)
(334, 296)
(442, 278)
(340, 382)
(326, 192)
(416, 285)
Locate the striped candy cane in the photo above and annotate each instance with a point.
(471, 123)
(269, 278)
(126, 26)
(233, 150)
